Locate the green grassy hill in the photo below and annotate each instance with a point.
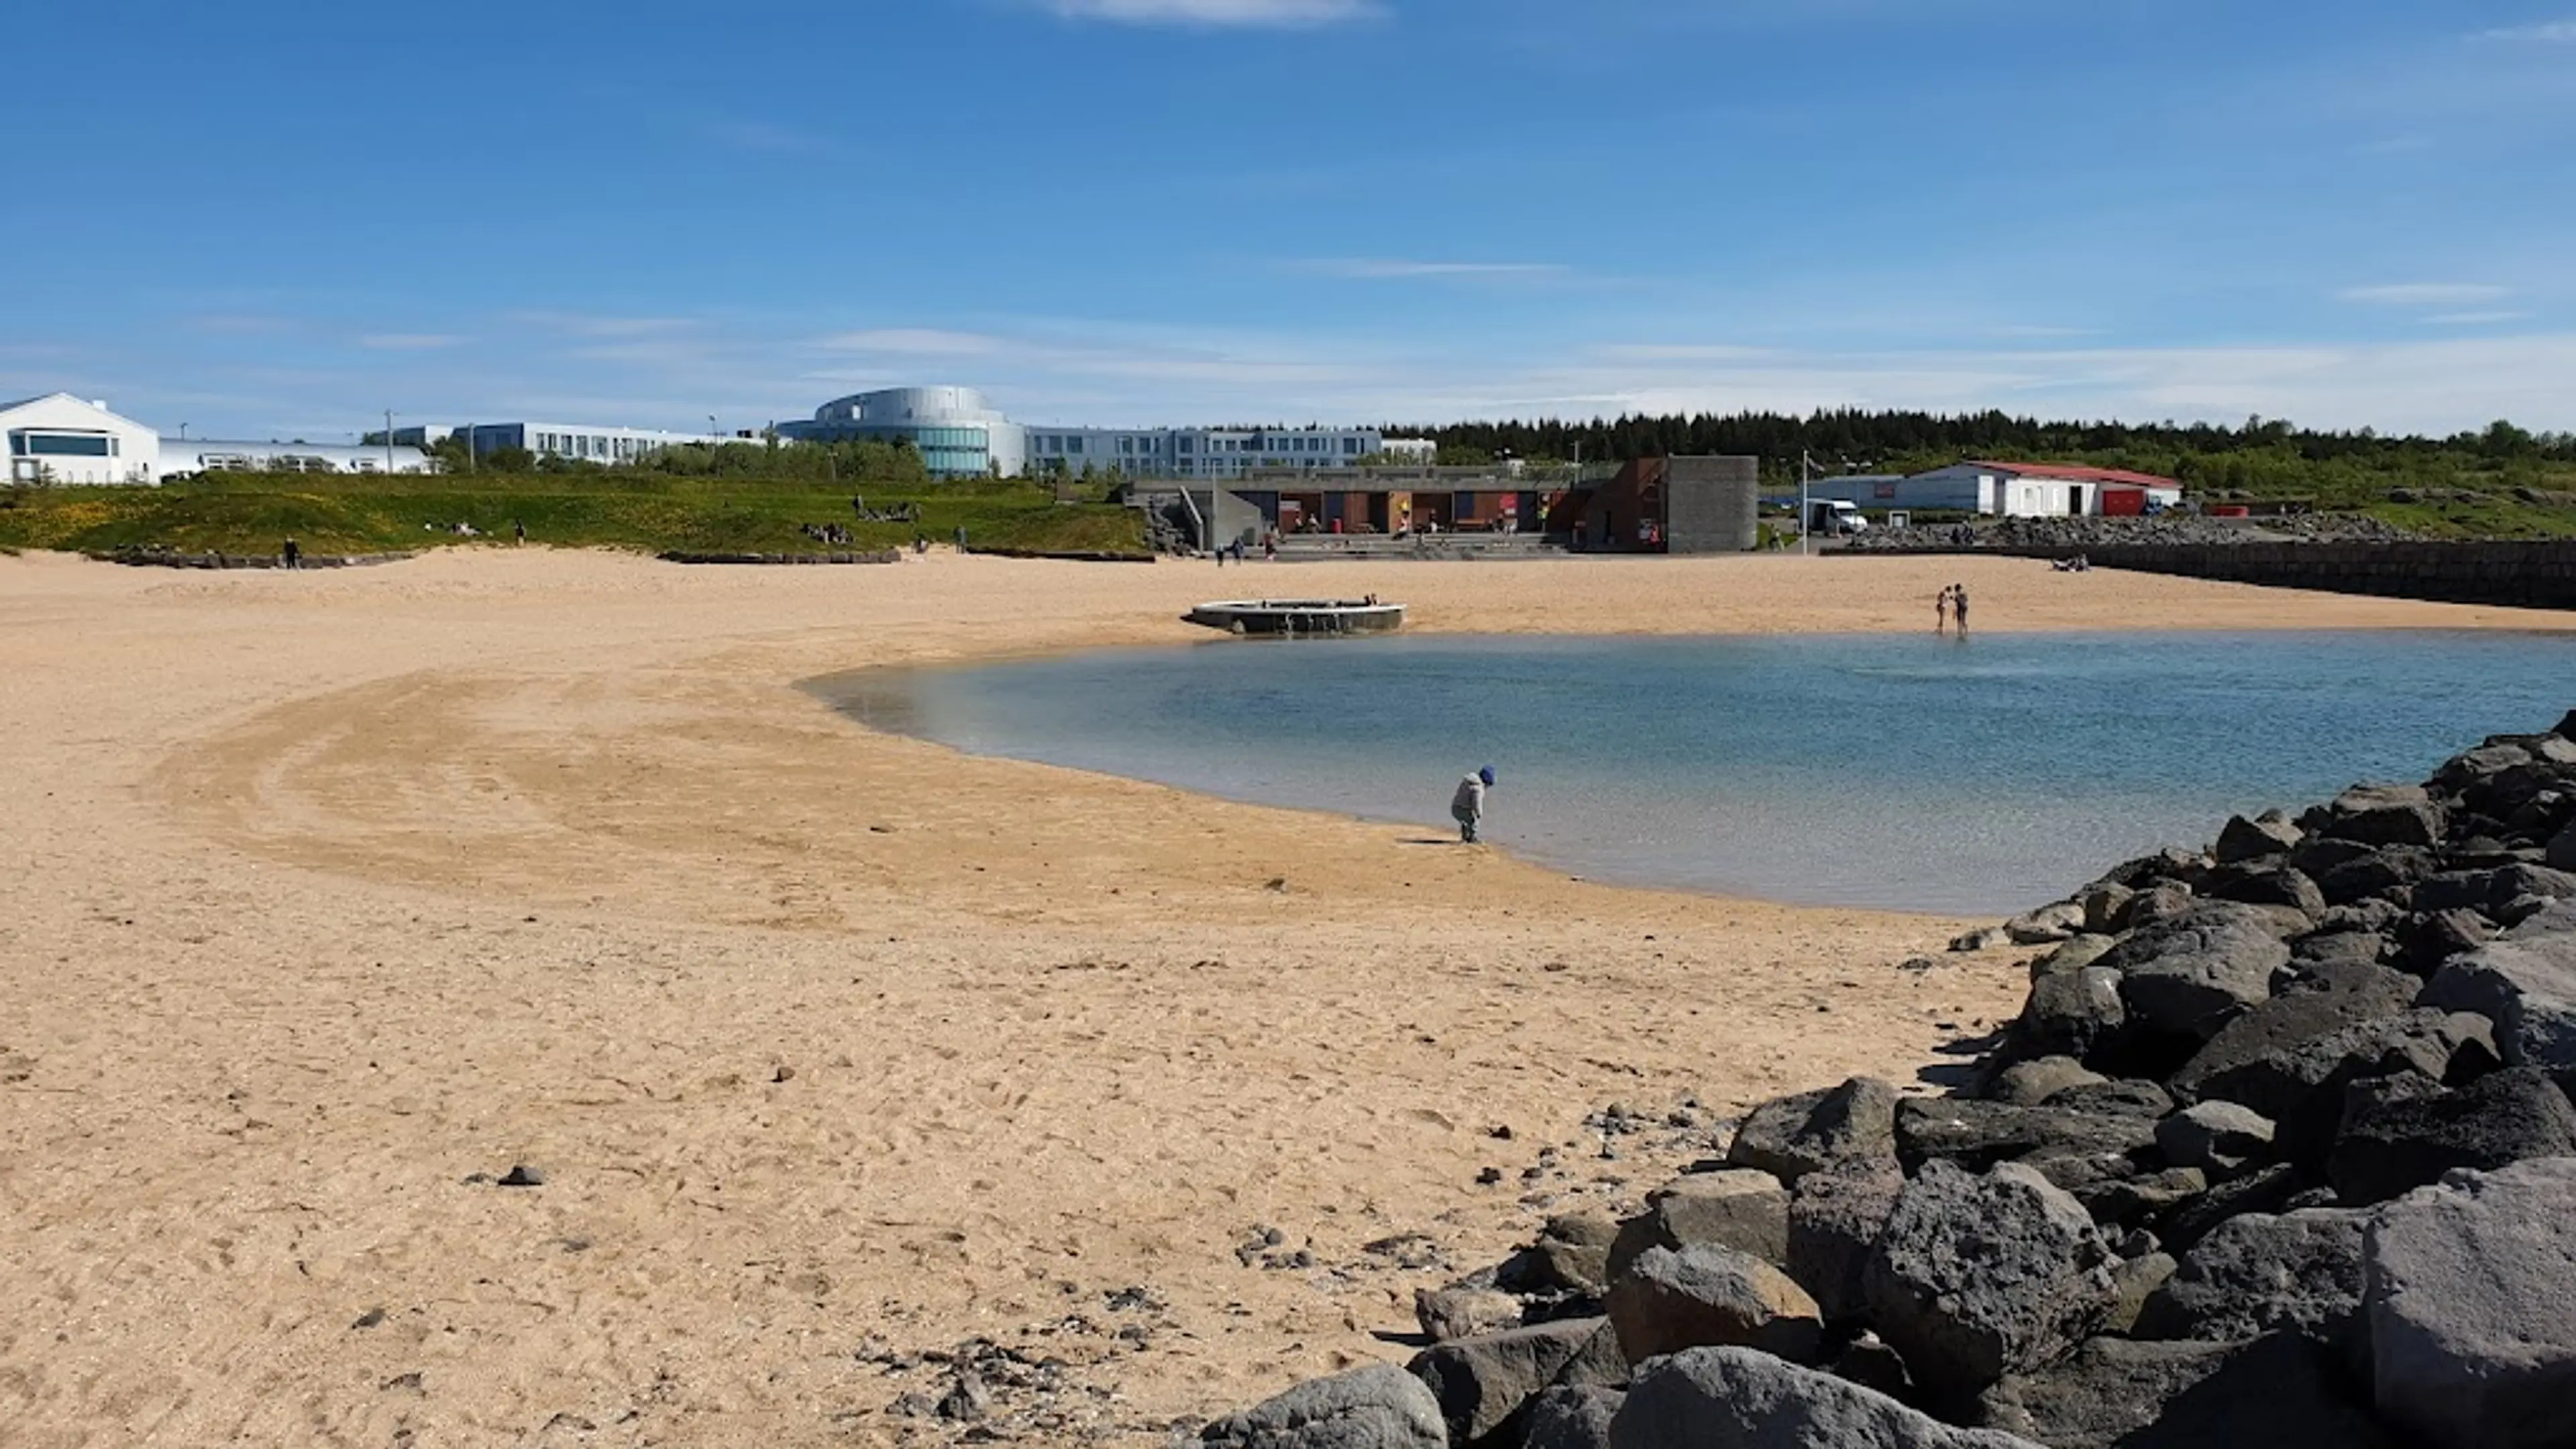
(245, 513)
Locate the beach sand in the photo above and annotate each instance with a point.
(329, 896)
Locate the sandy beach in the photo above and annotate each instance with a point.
(329, 897)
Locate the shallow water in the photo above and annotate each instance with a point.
(1905, 773)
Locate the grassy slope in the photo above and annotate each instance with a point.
(247, 514)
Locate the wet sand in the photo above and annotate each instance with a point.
(326, 897)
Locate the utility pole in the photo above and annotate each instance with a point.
(1805, 516)
(389, 441)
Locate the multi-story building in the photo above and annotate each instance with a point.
(957, 433)
(581, 442)
(1198, 452)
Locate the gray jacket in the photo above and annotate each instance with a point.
(1469, 802)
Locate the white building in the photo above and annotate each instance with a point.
(580, 442)
(957, 432)
(2007, 490)
(187, 457)
(59, 438)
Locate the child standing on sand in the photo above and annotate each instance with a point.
(1467, 807)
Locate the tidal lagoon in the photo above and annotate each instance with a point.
(1893, 772)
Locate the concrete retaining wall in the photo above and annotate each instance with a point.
(2521, 575)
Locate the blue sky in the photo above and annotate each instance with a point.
(280, 220)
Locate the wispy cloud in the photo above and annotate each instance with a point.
(2422, 294)
(1220, 14)
(915, 342)
(1379, 269)
(2554, 32)
(407, 341)
(2474, 319)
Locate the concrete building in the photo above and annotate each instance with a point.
(2007, 490)
(579, 442)
(1207, 452)
(183, 458)
(59, 438)
(957, 432)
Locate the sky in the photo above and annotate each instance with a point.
(274, 220)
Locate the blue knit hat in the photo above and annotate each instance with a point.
(1486, 774)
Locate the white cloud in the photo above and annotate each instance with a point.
(2474, 319)
(2422, 294)
(915, 342)
(1216, 14)
(1399, 269)
(2555, 32)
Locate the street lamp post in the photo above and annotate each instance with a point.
(389, 441)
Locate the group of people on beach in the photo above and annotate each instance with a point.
(1952, 603)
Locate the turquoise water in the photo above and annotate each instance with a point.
(1901, 772)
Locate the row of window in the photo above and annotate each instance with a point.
(28, 443)
(593, 445)
(1150, 445)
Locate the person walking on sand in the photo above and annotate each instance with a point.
(292, 554)
(1467, 807)
(1941, 612)
(1959, 606)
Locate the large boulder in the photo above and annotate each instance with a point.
(2258, 1273)
(1464, 1310)
(2473, 1344)
(1743, 1209)
(2219, 1138)
(2277, 1392)
(2562, 850)
(1573, 1418)
(2323, 1000)
(2526, 985)
(1835, 1222)
(2071, 1014)
(1378, 1407)
(2266, 884)
(1733, 1398)
(2369, 873)
(2191, 976)
(2492, 892)
(2242, 840)
(2267, 1191)
(2380, 815)
(1978, 1134)
(1699, 1297)
(1570, 1257)
(2402, 1133)
(2300, 1086)
(1484, 1384)
(2029, 1083)
(1977, 1277)
(1793, 1136)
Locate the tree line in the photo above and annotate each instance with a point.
(2256, 453)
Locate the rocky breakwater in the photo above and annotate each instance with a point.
(2279, 1153)
(2168, 529)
